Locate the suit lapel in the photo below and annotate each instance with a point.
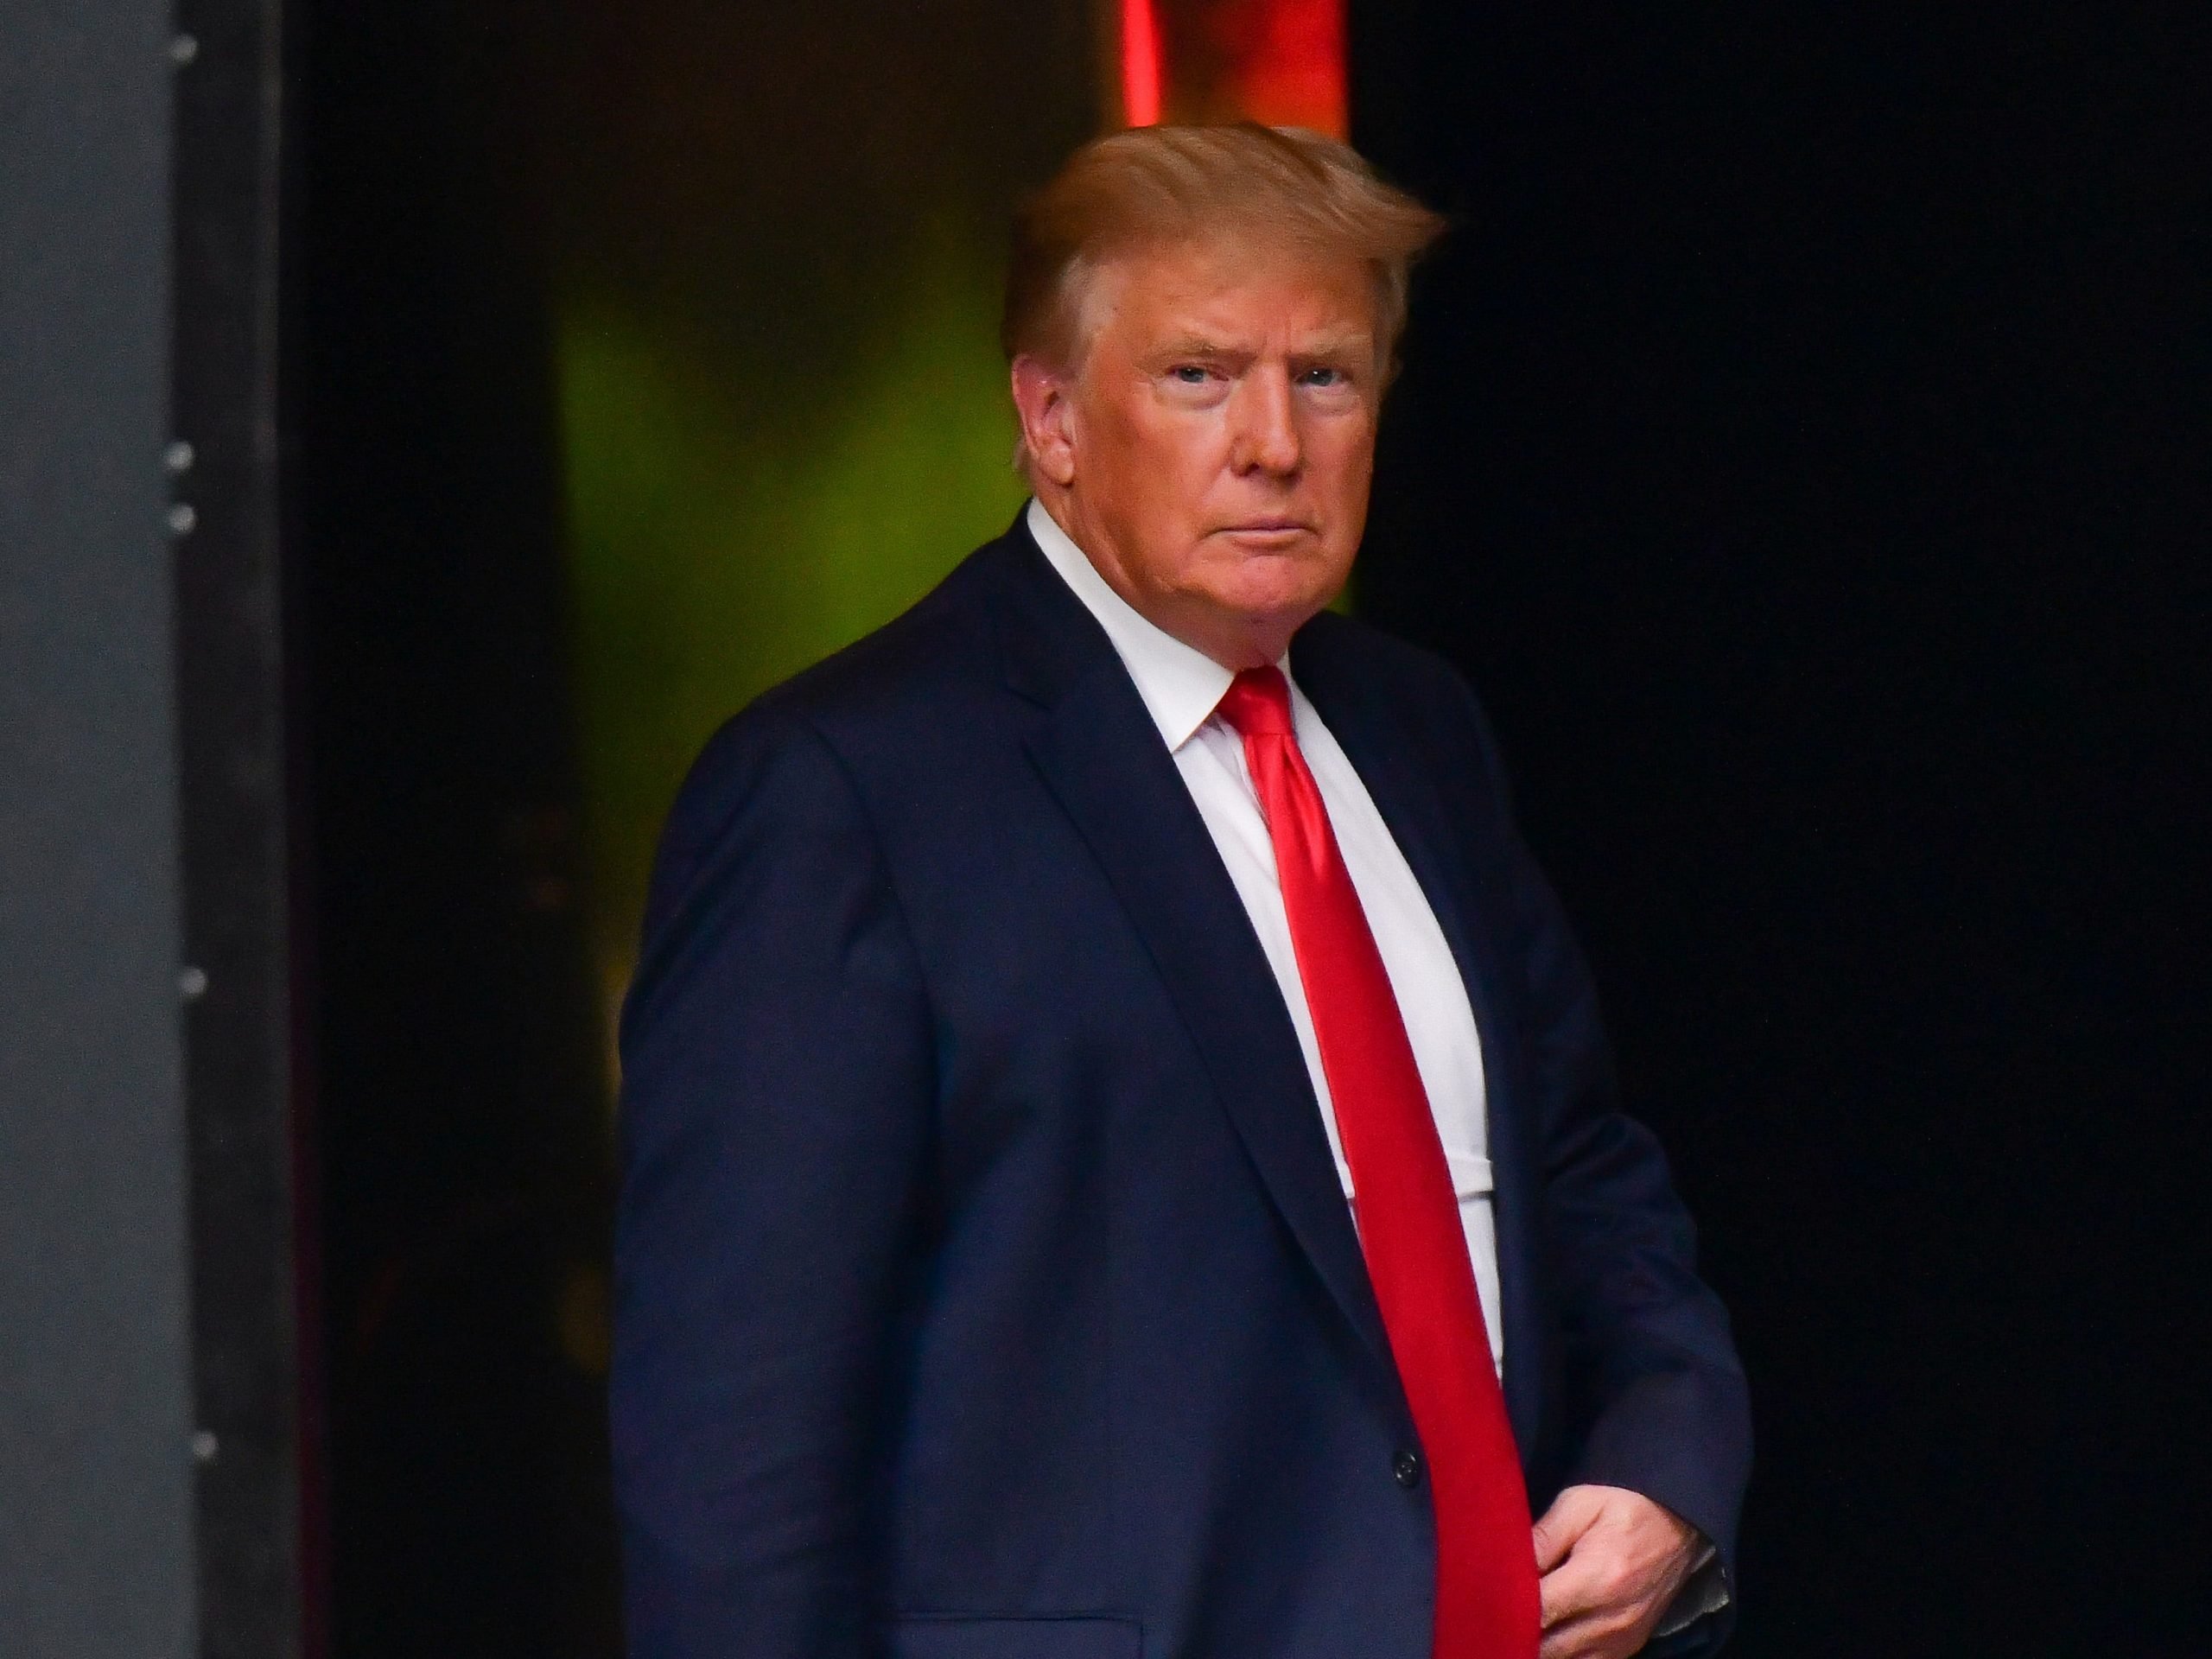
(1102, 756)
(1404, 791)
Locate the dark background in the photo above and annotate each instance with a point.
(458, 1124)
(1801, 448)
(1804, 450)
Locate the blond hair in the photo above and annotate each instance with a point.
(1154, 186)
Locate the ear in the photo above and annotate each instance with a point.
(1040, 398)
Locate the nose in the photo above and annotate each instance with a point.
(1265, 435)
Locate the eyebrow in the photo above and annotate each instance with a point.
(1339, 346)
(1333, 346)
(1196, 345)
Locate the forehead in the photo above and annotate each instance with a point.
(1230, 292)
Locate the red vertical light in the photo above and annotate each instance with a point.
(1140, 63)
(1287, 60)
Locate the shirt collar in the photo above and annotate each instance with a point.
(1180, 684)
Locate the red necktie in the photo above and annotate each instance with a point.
(1408, 1213)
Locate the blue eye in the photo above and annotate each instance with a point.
(1323, 377)
(1191, 374)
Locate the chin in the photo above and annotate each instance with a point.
(1283, 584)
(1275, 604)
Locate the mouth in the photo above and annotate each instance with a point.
(1267, 528)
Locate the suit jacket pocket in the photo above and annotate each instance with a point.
(1014, 1638)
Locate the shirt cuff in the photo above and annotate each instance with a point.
(1704, 1593)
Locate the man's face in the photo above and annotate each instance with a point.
(1213, 450)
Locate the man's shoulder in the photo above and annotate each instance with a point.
(1419, 691)
(943, 647)
(928, 672)
(1336, 640)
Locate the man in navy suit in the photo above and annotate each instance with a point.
(1120, 1156)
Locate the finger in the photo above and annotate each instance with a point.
(1572, 1514)
(1603, 1635)
(1576, 1586)
(1590, 1636)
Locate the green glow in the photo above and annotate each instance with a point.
(717, 551)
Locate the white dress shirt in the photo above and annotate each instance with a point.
(1180, 687)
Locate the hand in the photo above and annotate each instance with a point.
(1610, 1561)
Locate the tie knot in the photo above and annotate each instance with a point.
(1257, 703)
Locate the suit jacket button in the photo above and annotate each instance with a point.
(1406, 1467)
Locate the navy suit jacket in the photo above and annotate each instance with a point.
(984, 1286)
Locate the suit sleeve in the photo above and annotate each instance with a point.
(776, 1102)
(1657, 1396)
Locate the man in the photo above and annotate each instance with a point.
(1120, 1158)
